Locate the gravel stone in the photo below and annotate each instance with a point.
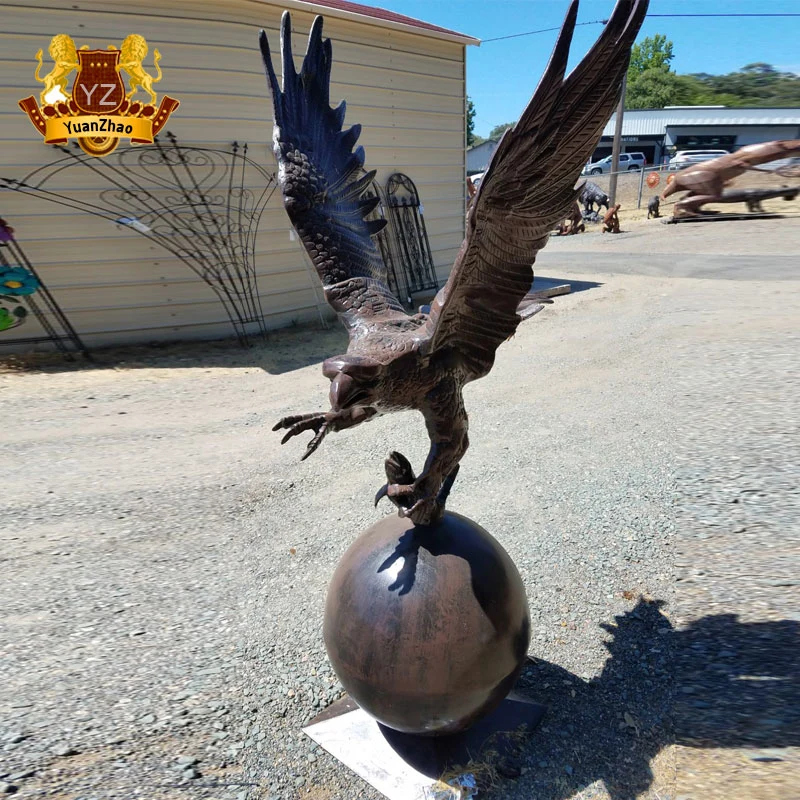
(65, 750)
(634, 450)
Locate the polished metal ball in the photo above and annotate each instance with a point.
(427, 627)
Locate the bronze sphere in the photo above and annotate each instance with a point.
(427, 627)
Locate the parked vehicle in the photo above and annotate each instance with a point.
(688, 157)
(788, 166)
(627, 161)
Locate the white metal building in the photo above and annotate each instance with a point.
(478, 156)
(660, 132)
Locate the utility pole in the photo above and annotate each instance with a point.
(612, 187)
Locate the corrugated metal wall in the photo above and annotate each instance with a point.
(654, 121)
(407, 91)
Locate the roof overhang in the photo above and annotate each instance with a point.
(366, 15)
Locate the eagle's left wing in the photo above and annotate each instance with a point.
(527, 188)
(318, 174)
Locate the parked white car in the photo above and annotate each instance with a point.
(688, 157)
(627, 161)
(790, 166)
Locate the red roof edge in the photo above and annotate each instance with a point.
(387, 16)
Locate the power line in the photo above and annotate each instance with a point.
(604, 21)
(787, 14)
(543, 30)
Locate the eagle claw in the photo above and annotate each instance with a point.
(317, 422)
(413, 496)
(413, 501)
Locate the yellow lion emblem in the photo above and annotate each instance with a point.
(132, 53)
(62, 51)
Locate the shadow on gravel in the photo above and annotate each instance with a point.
(718, 683)
(541, 283)
(282, 351)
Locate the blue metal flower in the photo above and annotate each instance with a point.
(17, 281)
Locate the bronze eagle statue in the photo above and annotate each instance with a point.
(396, 361)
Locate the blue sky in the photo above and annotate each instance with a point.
(501, 76)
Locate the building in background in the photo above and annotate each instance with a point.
(659, 133)
(404, 82)
(478, 156)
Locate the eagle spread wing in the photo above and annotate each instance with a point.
(527, 188)
(319, 178)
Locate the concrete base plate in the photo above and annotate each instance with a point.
(721, 217)
(406, 767)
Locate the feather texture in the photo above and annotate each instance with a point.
(318, 173)
(528, 187)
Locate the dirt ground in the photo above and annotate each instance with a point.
(165, 560)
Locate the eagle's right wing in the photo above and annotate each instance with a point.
(527, 188)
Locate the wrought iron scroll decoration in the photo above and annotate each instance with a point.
(193, 201)
(40, 302)
(411, 235)
(383, 239)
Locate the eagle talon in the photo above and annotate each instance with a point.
(425, 511)
(396, 492)
(298, 423)
(381, 493)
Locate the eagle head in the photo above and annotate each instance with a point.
(354, 380)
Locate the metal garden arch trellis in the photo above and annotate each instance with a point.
(193, 201)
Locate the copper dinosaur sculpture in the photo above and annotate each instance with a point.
(705, 182)
(397, 362)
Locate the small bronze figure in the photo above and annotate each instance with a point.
(652, 207)
(394, 361)
(611, 220)
(705, 182)
(573, 223)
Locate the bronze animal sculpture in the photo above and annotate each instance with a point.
(705, 182)
(611, 220)
(753, 198)
(653, 206)
(590, 194)
(396, 362)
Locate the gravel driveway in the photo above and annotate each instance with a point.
(165, 561)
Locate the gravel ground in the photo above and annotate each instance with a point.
(634, 449)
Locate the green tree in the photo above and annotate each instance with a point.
(499, 130)
(757, 84)
(470, 122)
(653, 88)
(653, 52)
(651, 82)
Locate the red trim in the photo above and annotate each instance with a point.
(381, 13)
